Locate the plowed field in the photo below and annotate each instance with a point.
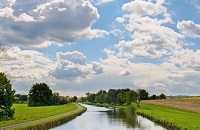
(191, 104)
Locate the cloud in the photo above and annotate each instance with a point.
(100, 2)
(189, 29)
(143, 7)
(73, 65)
(125, 73)
(97, 68)
(74, 57)
(148, 35)
(35, 23)
(186, 58)
(25, 65)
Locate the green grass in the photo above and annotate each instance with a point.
(23, 113)
(186, 120)
(69, 116)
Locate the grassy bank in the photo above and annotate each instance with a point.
(172, 118)
(51, 123)
(23, 113)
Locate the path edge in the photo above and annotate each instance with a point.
(51, 123)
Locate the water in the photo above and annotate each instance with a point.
(100, 118)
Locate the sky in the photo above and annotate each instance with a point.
(79, 46)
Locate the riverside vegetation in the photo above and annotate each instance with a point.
(179, 118)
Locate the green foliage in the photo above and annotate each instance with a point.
(6, 98)
(153, 97)
(120, 97)
(40, 95)
(23, 98)
(144, 95)
(73, 99)
(131, 96)
(183, 119)
(162, 96)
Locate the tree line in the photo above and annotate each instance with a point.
(39, 95)
(120, 96)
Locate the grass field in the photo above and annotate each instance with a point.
(23, 113)
(184, 119)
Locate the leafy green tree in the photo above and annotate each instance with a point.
(162, 96)
(6, 98)
(100, 96)
(56, 98)
(74, 98)
(91, 97)
(64, 100)
(153, 97)
(143, 94)
(23, 98)
(112, 96)
(40, 95)
(131, 96)
(121, 98)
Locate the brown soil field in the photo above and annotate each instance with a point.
(191, 104)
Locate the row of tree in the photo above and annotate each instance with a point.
(41, 95)
(120, 96)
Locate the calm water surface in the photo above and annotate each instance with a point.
(100, 118)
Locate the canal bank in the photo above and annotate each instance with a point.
(169, 117)
(49, 122)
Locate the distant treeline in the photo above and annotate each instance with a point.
(41, 95)
(120, 96)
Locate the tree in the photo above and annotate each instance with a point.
(6, 98)
(23, 98)
(74, 98)
(162, 96)
(131, 96)
(40, 95)
(112, 96)
(144, 95)
(153, 97)
(90, 97)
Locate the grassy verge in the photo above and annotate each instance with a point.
(23, 113)
(170, 117)
(45, 125)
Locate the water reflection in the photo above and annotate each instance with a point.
(100, 118)
(122, 117)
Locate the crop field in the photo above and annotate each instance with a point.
(191, 104)
(23, 113)
(183, 113)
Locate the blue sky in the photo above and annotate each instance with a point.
(79, 46)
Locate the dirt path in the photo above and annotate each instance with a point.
(40, 120)
(186, 104)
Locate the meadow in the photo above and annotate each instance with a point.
(167, 115)
(23, 113)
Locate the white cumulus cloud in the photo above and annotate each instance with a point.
(35, 23)
(189, 28)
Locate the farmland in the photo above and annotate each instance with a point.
(173, 113)
(191, 104)
(23, 113)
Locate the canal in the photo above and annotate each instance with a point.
(101, 118)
